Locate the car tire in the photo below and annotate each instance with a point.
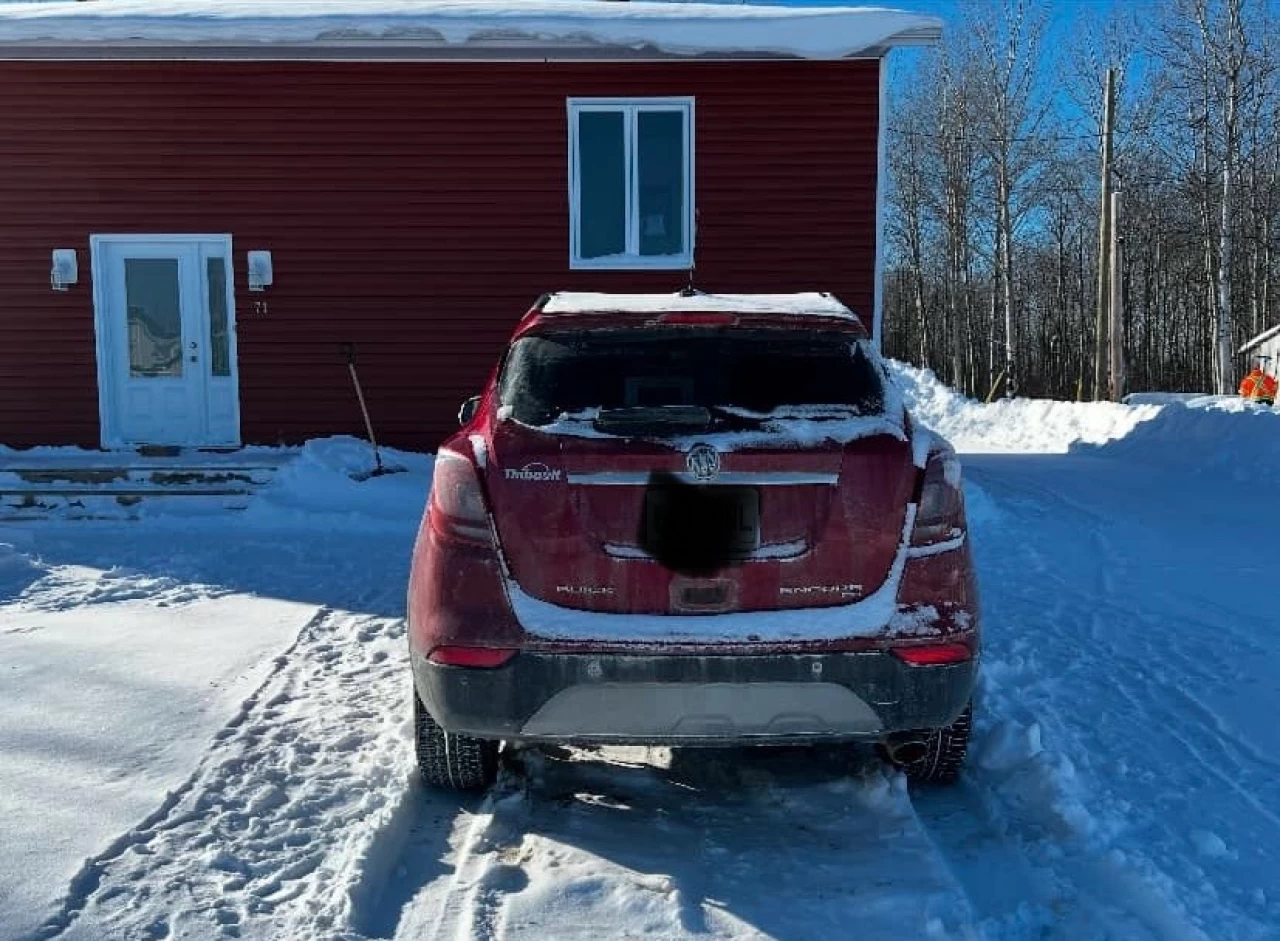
(451, 761)
(945, 751)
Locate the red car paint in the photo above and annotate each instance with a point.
(543, 531)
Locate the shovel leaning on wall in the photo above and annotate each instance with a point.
(379, 469)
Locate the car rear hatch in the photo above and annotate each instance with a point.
(677, 471)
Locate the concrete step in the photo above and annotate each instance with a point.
(135, 477)
(96, 486)
(76, 505)
(122, 493)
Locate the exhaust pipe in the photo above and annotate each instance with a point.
(906, 751)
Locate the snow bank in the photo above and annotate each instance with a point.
(317, 488)
(679, 29)
(1037, 426)
(1222, 437)
(1161, 398)
(17, 568)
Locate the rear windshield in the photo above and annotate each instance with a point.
(763, 372)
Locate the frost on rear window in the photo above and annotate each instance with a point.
(812, 375)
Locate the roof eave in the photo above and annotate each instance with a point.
(919, 36)
(410, 50)
(1272, 334)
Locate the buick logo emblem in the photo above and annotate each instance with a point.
(703, 462)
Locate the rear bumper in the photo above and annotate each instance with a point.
(683, 699)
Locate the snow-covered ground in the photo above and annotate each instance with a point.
(203, 727)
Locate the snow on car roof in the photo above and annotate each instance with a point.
(810, 303)
(667, 28)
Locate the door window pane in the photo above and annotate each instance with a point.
(154, 317)
(602, 183)
(660, 159)
(219, 338)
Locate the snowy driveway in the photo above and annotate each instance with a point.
(1125, 781)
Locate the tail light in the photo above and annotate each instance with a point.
(480, 657)
(457, 502)
(930, 655)
(940, 512)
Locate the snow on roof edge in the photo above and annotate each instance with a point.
(1261, 338)
(680, 29)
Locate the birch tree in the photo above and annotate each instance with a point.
(1012, 114)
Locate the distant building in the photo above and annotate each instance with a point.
(1265, 347)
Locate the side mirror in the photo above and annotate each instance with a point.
(468, 410)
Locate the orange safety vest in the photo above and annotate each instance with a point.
(1258, 386)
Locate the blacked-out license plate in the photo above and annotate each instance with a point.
(730, 513)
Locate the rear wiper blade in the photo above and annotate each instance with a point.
(736, 417)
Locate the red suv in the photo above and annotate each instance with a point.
(692, 519)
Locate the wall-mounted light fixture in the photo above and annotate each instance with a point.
(65, 271)
(260, 274)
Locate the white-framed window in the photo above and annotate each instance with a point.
(631, 182)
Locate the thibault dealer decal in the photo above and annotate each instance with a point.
(535, 470)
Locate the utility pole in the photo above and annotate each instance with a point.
(1116, 304)
(1104, 238)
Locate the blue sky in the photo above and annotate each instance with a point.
(1063, 14)
(1064, 11)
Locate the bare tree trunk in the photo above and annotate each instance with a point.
(1206, 218)
(1255, 254)
(1104, 237)
(1226, 378)
(1265, 291)
(994, 313)
(1005, 279)
(971, 350)
(957, 237)
(922, 319)
(1084, 322)
(957, 310)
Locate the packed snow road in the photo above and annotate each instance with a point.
(1124, 784)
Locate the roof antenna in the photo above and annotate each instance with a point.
(689, 289)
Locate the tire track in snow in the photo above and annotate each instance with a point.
(1160, 637)
(1052, 883)
(726, 843)
(403, 850)
(1085, 630)
(271, 834)
(1149, 693)
(469, 909)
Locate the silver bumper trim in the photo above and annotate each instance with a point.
(727, 479)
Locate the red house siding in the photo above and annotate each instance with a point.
(413, 209)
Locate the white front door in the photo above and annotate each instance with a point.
(167, 372)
